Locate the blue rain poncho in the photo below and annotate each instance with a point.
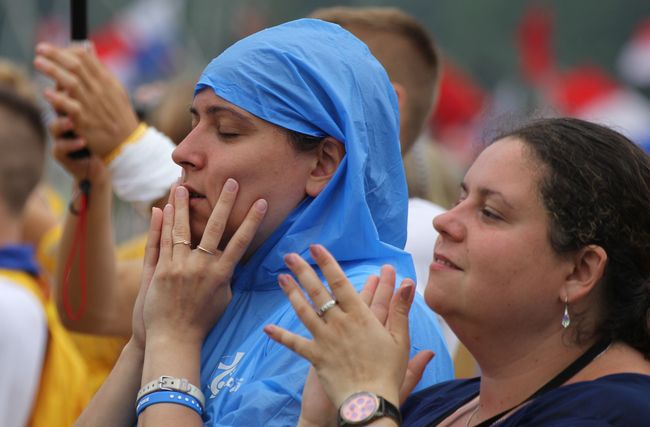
(315, 78)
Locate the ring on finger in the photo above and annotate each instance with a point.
(181, 242)
(328, 305)
(207, 251)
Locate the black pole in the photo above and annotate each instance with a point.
(78, 20)
(78, 34)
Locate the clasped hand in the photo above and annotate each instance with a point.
(185, 290)
(362, 343)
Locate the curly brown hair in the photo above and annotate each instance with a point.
(596, 188)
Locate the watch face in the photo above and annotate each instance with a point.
(359, 407)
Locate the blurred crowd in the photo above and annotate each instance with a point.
(151, 95)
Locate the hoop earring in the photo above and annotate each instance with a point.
(566, 320)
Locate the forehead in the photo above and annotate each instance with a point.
(207, 102)
(506, 166)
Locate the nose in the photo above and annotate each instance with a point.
(188, 153)
(449, 224)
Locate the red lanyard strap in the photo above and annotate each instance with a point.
(78, 245)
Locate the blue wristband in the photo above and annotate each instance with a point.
(176, 397)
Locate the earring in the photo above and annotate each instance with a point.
(566, 320)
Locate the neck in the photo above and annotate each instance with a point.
(513, 371)
(9, 230)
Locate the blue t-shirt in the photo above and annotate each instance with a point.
(613, 400)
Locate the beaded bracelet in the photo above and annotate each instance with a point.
(168, 397)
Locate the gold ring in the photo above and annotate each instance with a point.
(207, 251)
(325, 307)
(181, 242)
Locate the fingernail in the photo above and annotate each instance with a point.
(406, 291)
(42, 48)
(231, 185)
(181, 192)
(261, 205)
(283, 281)
(316, 251)
(169, 209)
(290, 259)
(269, 329)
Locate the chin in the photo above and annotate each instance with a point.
(434, 297)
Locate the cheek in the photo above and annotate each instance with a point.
(516, 269)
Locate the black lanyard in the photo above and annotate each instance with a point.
(554, 383)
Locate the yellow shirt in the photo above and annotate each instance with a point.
(99, 352)
(64, 389)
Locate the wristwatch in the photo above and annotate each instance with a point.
(364, 407)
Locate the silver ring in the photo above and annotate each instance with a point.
(207, 251)
(181, 242)
(325, 307)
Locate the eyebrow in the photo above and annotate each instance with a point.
(216, 109)
(487, 192)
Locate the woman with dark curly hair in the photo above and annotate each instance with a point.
(542, 269)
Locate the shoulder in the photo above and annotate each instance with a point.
(619, 399)
(19, 307)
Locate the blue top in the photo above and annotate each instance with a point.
(316, 78)
(613, 400)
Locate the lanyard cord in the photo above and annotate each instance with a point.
(568, 372)
(78, 242)
(560, 378)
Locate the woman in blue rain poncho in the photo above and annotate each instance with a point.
(294, 142)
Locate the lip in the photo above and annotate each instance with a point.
(193, 193)
(441, 262)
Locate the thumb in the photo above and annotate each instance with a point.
(414, 371)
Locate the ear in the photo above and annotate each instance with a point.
(588, 268)
(330, 155)
(401, 97)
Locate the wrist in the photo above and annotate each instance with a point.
(390, 394)
(99, 178)
(135, 132)
(164, 340)
(169, 357)
(366, 408)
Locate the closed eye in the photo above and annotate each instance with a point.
(490, 214)
(228, 135)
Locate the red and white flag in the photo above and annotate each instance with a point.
(634, 62)
(590, 94)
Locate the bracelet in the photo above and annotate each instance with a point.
(135, 135)
(168, 397)
(172, 384)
